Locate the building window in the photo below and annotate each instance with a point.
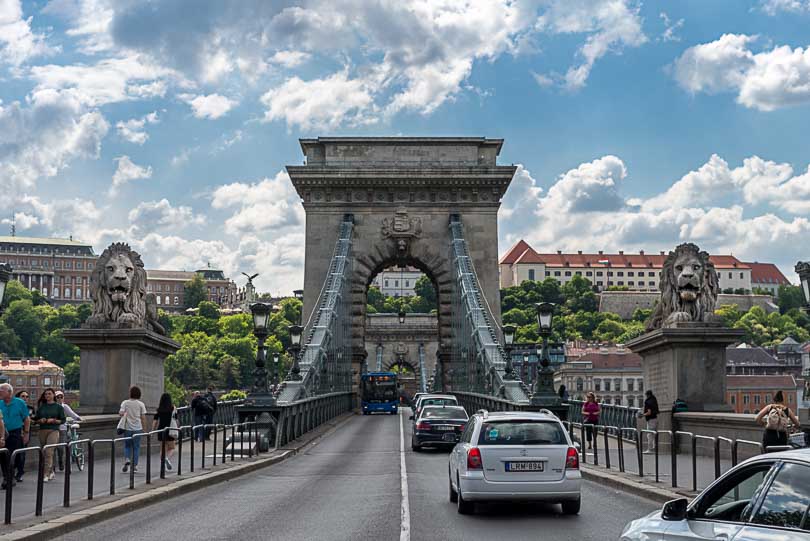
(89, 266)
(651, 283)
(597, 385)
(729, 276)
(386, 283)
(531, 274)
(631, 273)
(46, 381)
(580, 384)
(68, 264)
(588, 273)
(578, 273)
(67, 292)
(757, 398)
(56, 292)
(745, 399)
(640, 385)
(618, 401)
(599, 273)
(177, 288)
(568, 273)
(618, 384)
(610, 273)
(620, 273)
(607, 385)
(741, 276)
(21, 380)
(396, 283)
(556, 273)
(631, 401)
(176, 300)
(548, 273)
(79, 265)
(407, 283)
(621, 283)
(630, 385)
(78, 293)
(606, 400)
(32, 381)
(790, 398)
(651, 274)
(733, 399)
(631, 283)
(148, 287)
(599, 283)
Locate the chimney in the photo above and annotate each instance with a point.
(662, 252)
(559, 252)
(579, 252)
(600, 252)
(641, 252)
(621, 252)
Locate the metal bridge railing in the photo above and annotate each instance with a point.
(478, 360)
(612, 415)
(325, 357)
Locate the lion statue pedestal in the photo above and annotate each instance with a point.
(684, 352)
(121, 344)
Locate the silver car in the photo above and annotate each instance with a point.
(764, 498)
(515, 456)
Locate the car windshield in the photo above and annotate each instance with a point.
(438, 402)
(444, 413)
(521, 432)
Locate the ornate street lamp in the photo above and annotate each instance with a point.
(261, 312)
(295, 347)
(544, 395)
(5, 276)
(803, 270)
(401, 316)
(508, 341)
(276, 368)
(299, 294)
(525, 367)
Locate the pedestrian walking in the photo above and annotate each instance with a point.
(200, 407)
(69, 413)
(650, 414)
(590, 416)
(563, 392)
(49, 416)
(212, 401)
(775, 417)
(132, 423)
(19, 462)
(166, 417)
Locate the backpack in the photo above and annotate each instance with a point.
(776, 419)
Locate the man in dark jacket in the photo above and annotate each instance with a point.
(212, 403)
(201, 408)
(651, 416)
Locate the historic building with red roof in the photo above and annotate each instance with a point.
(638, 272)
(767, 276)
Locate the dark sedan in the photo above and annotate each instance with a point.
(438, 426)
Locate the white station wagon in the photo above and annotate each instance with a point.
(515, 456)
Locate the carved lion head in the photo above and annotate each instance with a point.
(689, 286)
(118, 286)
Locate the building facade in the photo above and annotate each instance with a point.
(169, 288)
(747, 360)
(613, 373)
(749, 394)
(396, 282)
(60, 269)
(32, 375)
(637, 272)
(767, 277)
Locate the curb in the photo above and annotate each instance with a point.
(639, 488)
(79, 519)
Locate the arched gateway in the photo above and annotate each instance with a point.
(401, 193)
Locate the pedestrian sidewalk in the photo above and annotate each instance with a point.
(57, 520)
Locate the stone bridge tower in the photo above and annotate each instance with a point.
(401, 192)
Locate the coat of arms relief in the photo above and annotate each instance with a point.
(401, 229)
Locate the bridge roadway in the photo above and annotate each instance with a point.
(347, 486)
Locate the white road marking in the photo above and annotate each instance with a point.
(405, 510)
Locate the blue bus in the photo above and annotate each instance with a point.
(379, 392)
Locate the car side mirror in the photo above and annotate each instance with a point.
(410, 418)
(675, 510)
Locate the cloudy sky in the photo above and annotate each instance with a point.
(635, 125)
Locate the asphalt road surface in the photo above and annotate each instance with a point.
(348, 486)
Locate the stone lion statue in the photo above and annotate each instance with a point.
(118, 290)
(689, 288)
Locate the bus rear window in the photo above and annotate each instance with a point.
(521, 433)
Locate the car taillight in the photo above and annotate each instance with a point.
(423, 426)
(572, 459)
(474, 459)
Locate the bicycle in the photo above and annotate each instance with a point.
(76, 451)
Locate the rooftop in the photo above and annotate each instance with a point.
(44, 241)
(785, 383)
(19, 365)
(767, 273)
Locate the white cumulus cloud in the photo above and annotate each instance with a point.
(126, 172)
(18, 43)
(766, 80)
(150, 216)
(212, 106)
(132, 130)
(265, 205)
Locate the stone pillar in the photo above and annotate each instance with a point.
(112, 360)
(687, 361)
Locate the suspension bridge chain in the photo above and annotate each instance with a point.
(325, 357)
(478, 360)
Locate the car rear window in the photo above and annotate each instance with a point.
(521, 433)
(444, 413)
(439, 402)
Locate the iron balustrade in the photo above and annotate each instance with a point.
(612, 414)
(225, 413)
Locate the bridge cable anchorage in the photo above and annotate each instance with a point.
(326, 353)
(478, 360)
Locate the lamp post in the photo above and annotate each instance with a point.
(803, 270)
(543, 393)
(295, 347)
(260, 393)
(508, 341)
(276, 369)
(401, 316)
(5, 276)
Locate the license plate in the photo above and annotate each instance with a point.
(443, 427)
(449, 437)
(524, 466)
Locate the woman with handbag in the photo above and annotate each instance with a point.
(166, 417)
(132, 424)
